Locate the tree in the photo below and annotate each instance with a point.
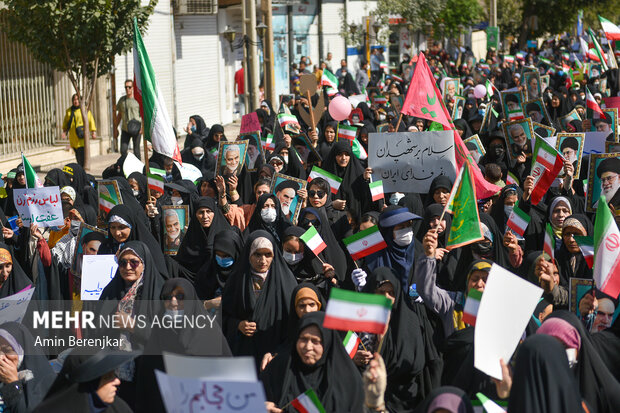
(459, 13)
(78, 37)
(417, 12)
(509, 17)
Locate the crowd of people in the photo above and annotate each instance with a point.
(240, 255)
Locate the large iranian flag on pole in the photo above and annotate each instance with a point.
(606, 272)
(329, 79)
(612, 32)
(547, 165)
(157, 124)
(598, 50)
(351, 311)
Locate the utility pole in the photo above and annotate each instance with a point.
(270, 84)
(291, 38)
(493, 13)
(251, 43)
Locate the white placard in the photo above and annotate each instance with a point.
(13, 307)
(409, 161)
(189, 171)
(41, 206)
(239, 369)
(132, 164)
(97, 272)
(506, 306)
(595, 142)
(181, 395)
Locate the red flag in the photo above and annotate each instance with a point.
(424, 101)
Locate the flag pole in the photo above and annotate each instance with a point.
(146, 166)
(400, 118)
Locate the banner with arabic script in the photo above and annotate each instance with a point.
(41, 206)
(409, 161)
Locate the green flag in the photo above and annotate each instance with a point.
(32, 180)
(465, 228)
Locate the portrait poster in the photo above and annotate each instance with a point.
(109, 196)
(531, 80)
(568, 118)
(603, 178)
(519, 134)
(176, 221)
(450, 88)
(459, 106)
(611, 147)
(543, 131)
(608, 308)
(537, 110)
(285, 188)
(88, 242)
(475, 147)
(253, 151)
(231, 158)
(512, 104)
(608, 124)
(544, 82)
(570, 145)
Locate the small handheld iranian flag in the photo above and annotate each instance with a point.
(612, 32)
(598, 51)
(606, 272)
(511, 179)
(549, 243)
(380, 100)
(358, 149)
(489, 405)
(286, 119)
(383, 65)
(518, 220)
(351, 343)
(347, 132)
(520, 55)
(547, 165)
(156, 183)
(329, 79)
(472, 303)
(331, 91)
(157, 171)
(592, 106)
(267, 142)
(313, 240)
(333, 180)
(348, 310)
(308, 402)
(509, 58)
(376, 190)
(586, 245)
(365, 242)
(397, 79)
(32, 180)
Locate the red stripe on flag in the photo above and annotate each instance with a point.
(319, 248)
(298, 406)
(369, 251)
(469, 319)
(378, 196)
(589, 260)
(337, 323)
(334, 191)
(612, 284)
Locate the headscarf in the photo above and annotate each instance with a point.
(56, 177)
(565, 260)
(309, 270)
(596, 384)
(441, 181)
(334, 378)
(17, 279)
(449, 398)
(209, 143)
(275, 228)
(197, 244)
(142, 187)
(435, 211)
(542, 381)
(81, 183)
(303, 290)
(269, 309)
(497, 210)
(33, 370)
(607, 345)
(557, 231)
(201, 131)
(324, 146)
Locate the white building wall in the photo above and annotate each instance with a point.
(332, 41)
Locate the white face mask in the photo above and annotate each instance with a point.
(396, 197)
(198, 156)
(268, 215)
(508, 209)
(571, 353)
(285, 157)
(285, 209)
(135, 192)
(291, 258)
(403, 237)
(176, 200)
(381, 117)
(175, 314)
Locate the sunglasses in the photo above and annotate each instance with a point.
(134, 263)
(314, 193)
(128, 87)
(178, 296)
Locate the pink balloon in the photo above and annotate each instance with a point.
(339, 108)
(480, 91)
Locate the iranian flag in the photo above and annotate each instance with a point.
(308, 402)
(351, 343)
(612, 32)
(591, 104)
(383, 65)
(331, 91)
(333, 180)
(397, 79)
(313, 240)
(106, 203)
(518, 220)
(586, 245)
(549, 243)
(520, 55)
(329, 79)
(578, 62)
(348, 310)
(465, 227)
(287, 119)
(347, 132)
(472, 303)
(547, 165)
(157, 171)
(376, 190)
(380, 100)
(157, 124)
(365, 242)
(606, 272)
(32, 180)
(511, 179)
(509, 58)
(358, 150)
(598, 50)
(156, 183)
(489, 405)
(267, 142)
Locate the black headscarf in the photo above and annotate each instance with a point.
(334, 378)
(276, 228)
(309, 270)
(34, 371)
(211, 277)
(412, 362)
(56, 177)
(441, 181)
(542, 381)
(497, 210)
(201, 131)
(597, 385)
(293, 166)
(17, 280)
(269, 309)
(434, 211)
(324, 146)
(139, 232)
(142, 185)
(197, 245)
(445, 396)
(607, 344)
(563, 256)
(209, 142)
(206, 165)
(81, 184)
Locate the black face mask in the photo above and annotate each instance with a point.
(483, 249)
(498, 150)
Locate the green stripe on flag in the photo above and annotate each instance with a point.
(108, 199)
(360, 298)
(32, 180)
(465, 227)
(309, 234)
(325, 174)
(315, 400)
(361, 234)
(474, 294)
(521, 214)
(375, 184)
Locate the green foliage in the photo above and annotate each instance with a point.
(417, 12)
(459, 12)
(79, 36)
(509, 17)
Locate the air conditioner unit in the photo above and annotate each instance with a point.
(195, 7)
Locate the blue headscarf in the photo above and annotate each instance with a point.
(399, 259)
